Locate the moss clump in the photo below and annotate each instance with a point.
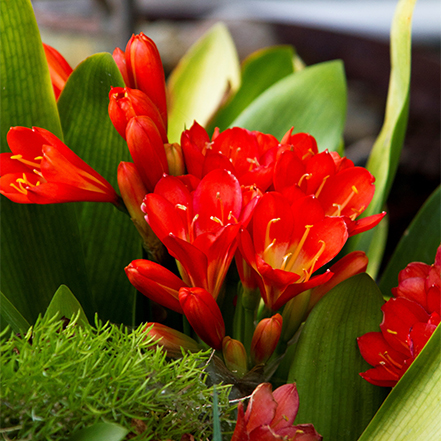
(58, 379)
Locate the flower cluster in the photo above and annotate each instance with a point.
(409, 319)
(281, 209)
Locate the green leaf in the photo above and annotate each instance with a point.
(40, 244)
(217, 434)
(65, 304)
(385, 155)
(198, 84)
(327, 361)
(312, 100)
(411, 411)
(109, 239)
(100, 432)
(260, 70)
(9, 315)
(378, 246)
(418, 244)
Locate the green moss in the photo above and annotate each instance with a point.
(56, 380)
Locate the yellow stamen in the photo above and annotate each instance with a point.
(25, 161)
(391, 332)
(305, 176)
(321, 186)
(216, 219)
(340, 207)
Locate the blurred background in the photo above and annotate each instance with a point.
(356, 31)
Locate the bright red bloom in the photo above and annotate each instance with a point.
(341, 188)
(199, 226)
(408, 322)
(204, 315)
(125, 103)
(43, 170)
(156, 282)
(288, 243)
(147, 150)
(171, 340)
(141, 67)
(243, 153)
(59, 69)
(265, 338)
(270, 416)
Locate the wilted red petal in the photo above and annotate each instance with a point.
(240, 431)
(261, 408)
(287, 399)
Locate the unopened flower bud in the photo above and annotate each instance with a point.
(265, 338)
(175, 159)
(235, 356)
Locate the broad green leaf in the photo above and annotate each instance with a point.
(312, 100)
(199, 83)
(378, 246)
(412, 409)
(327, 361)
(40, 245)
(260, 70)
(100, 432)
(9, 315)
(418, 244)
(109, 239)
(65, 304)
(385, 155)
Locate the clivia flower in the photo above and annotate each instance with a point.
(341, 188)
(270, 416)
(242, 152)
(288, 243)
(59, 69)
(265, 338)
(43, 170)
(199, 226)
(409, 320)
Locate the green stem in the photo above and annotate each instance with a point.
(248, 328)
(238, 317)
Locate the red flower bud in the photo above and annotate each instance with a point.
(120, 59)
(125, 103)
(265, 338)
(171, 340)
(147, 150)
(204, 315)
(175, 159)
(145, 71)
(235, 356)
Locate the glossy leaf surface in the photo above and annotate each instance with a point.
(327, 361)
(100, 432)
(197, 86)
(9, 315)
(109, 239)
(312, 100)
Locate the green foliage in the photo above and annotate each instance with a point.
(327, 361)
(409, 411)
(56, 380)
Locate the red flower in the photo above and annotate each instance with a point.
(288, 243)
(59, 69)
(341, 188)
(243, 153)
(199, 226)
(204, 315)
(141, 68)
(125, 103)
(43, 170)
(270, 416)
(408, 322)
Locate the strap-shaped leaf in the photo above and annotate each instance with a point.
(260, 70)
(65, 304)
(327, 361)
(109, 239)
(385, 155)
(312, 100)
(199, 83)
(9, 315)
(419, 243)
(412, 409)
(40, 245)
